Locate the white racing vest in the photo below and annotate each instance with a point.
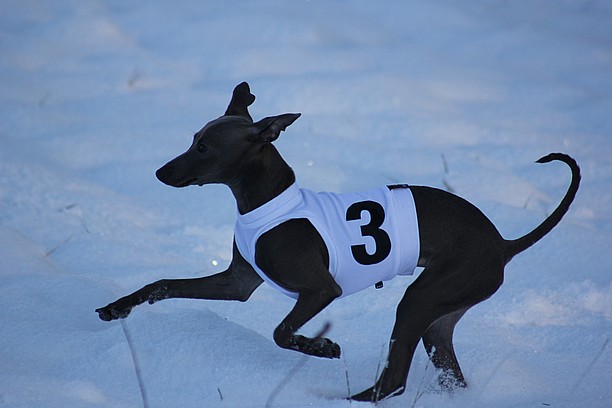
(370, 237)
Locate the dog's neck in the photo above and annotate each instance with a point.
(261, 180)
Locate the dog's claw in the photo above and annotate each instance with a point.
(109, 313)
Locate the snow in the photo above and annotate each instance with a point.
(96, 95)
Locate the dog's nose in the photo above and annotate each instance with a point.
(163, 174)
(168, 175)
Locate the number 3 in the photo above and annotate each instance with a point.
(372, 229)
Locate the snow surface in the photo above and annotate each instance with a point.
(96, 95)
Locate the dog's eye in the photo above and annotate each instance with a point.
(202, 147)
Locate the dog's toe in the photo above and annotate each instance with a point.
(326, 348)
(104, 314)
(109, 313)
(335, 351)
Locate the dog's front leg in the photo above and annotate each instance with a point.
(307, 306)
(235, 283)
(294, 256)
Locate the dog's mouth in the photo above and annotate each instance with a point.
(185, 183)
(167, 176)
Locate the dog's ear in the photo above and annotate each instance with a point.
(241, 99)
(268, 129)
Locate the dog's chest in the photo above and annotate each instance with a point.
(370, 236)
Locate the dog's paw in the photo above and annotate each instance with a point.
(375, 394)
(368, 395)
(110, 312)
(448, 381)
(318, 347)
(326, 348)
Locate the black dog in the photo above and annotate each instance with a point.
(461, 250)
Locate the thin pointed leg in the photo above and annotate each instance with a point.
(440, 290)
(236, 283)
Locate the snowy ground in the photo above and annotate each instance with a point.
(96, 95)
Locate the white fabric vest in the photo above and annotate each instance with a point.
(370, 237)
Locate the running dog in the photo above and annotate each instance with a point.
(317, 247)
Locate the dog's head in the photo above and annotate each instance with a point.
(226, 146)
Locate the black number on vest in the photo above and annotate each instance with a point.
(372, 229)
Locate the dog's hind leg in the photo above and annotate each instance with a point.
(438, 341)
(448, 285)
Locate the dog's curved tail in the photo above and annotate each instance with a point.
(516, 246)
